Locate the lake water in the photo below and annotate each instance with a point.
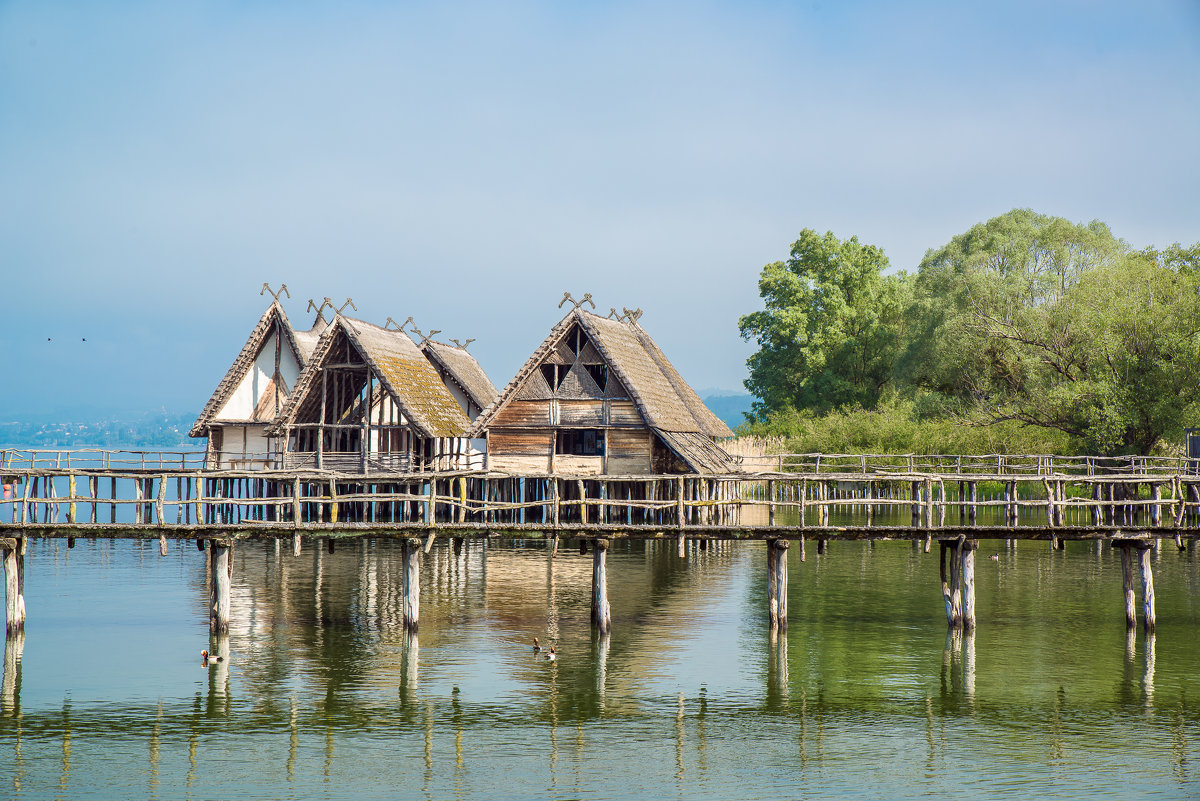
(323, 695)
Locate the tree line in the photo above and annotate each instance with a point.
(1026, 333)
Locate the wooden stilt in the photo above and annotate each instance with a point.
(220, 557)
(411, 554)
(779, 581)
(951, 582)
(1127, 587)
(1147, 590)
(772, 585)
(162, 544)
(14, 597)
(601, 614)
(968, 585)
(296, 544)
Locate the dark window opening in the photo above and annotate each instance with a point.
(599, 373)
(554, 374)
(579, 442)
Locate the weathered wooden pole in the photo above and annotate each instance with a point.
(777, 580)
(411, 555)
(14, 590)
(1127, 586)
(973, 489)
(601, 614)
(221, 562)
(968, 584)
(950, 583)
(1156, 509)
(1147, 590)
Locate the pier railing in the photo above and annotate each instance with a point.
(100, 459)
(833, 505)
(985, 464)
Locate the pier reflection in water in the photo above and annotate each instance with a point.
(321, 691)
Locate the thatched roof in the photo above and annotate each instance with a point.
(403, 371)
(463, 369)
(666, 402)
(301, 343)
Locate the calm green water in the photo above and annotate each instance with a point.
(324, 696)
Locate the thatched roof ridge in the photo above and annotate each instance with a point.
(237, 371)
(403, 371)
(463, 368)
(556, 334)
(665, 400)
(662, 397)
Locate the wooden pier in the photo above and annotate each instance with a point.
(957, 501)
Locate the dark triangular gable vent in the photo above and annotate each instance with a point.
(578, 384)
(614, 388)
(535, 388)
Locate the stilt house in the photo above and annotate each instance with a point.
(598, 397)
(253, 391)
(371, 400)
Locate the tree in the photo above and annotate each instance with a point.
(831, 328)
(1058, 325)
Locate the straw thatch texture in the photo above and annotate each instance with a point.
(403, 371)
(466, 372)
(663, 398)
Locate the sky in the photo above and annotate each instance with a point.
(468, 164)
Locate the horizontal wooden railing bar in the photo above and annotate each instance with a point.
(1023, 505)
(97, 458)
(997, 464)
(1114, 535)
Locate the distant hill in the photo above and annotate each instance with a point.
(149, 431)
(730, 408)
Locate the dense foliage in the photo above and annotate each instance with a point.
(1025, 333)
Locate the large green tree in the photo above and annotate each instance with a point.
(1059, 325)
(831, 328)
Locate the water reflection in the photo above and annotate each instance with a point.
(690, 686)
(10, 683)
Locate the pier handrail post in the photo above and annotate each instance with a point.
(25, 499)
(296, 514)
(679, 501)
(770, 502)
(159, 501)
(803, 502)
(554, 499)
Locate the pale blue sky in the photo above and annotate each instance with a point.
(467, 164)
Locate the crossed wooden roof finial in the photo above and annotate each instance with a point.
(283, 290)
(348, 302)
(462, 345)
(587, 298)
(424, 337)
(321, 309)
(632, 316)
(390, 322)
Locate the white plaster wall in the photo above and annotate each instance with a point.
(241, 403)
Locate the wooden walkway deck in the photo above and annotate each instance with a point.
(955, 500)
